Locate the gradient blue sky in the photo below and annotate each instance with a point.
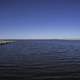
(40, 19)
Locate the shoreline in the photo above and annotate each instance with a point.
(3, 42)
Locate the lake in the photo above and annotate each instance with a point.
(40, 60)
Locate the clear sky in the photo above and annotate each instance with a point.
(40, 19)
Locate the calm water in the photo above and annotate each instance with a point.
(40, 59)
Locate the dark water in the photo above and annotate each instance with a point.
(40, 60)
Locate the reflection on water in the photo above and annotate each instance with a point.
(40, 59)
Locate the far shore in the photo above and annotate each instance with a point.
(2, 42)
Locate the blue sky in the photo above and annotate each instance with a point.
(39, 19)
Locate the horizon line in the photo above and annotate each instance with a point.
(35, 39)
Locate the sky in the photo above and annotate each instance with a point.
(39, 19)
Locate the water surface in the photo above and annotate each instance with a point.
(40, 59)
